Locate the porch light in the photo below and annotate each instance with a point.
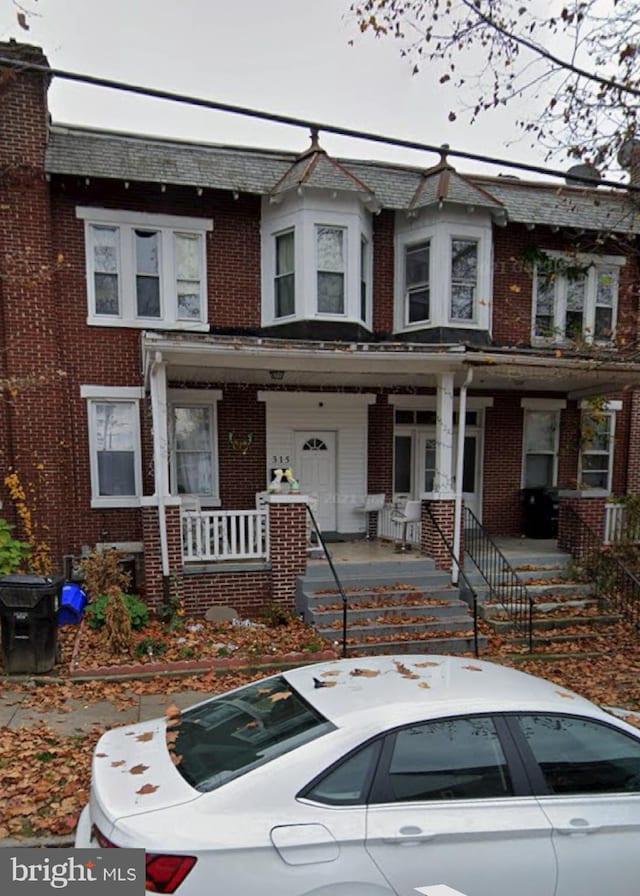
(276, 375)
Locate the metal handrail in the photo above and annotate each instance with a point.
(461, 574)
(336, 578)
(505, 586)
(613, 582)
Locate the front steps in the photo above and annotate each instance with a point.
(567, 619)
(392, 607)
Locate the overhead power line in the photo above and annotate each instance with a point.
(294, 121)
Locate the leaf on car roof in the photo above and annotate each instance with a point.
(264, 690)
(118, 763)
(473, 668)
(405, 671)
(173, 722)
(147, 788)
(175, 758)
(146, 735)
(330, 673)
(317, 683)
(172, 711)
(138, 769)
(365, 673)
(425, 664)
(424, 684)
(171, 738)
(565, 695)
(279, 695)
(101, 755)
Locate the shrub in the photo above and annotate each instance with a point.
(276, 614)
(117, 622)
(138, 611)
(150, 646)
(12, 551)
(101, 571)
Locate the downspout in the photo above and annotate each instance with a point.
(158, 387)
(457, 516)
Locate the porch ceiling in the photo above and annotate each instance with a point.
(195, 359)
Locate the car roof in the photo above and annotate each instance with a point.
(426, 686)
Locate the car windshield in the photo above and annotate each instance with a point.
(236, 732)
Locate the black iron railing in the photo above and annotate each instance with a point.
(336, 578)
(504, 584)
(615, 586)
(468, 592)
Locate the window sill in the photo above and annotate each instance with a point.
(114, 503)
(118, 322)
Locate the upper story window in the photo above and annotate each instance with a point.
(316, 254)
(114, 445)
(417, 282)
(331, 269)
(284, 278)
(145, 270)
(443, 272)
(576, 300)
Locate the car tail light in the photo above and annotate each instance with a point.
(165, 873)
(103, 841)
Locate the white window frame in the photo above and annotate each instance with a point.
(610, 411)
(168, 227)
(290, 231)
(131, 395)
(200, 398)
(408, 291)
(303, 214)
(544, 405)
(440, 230)
(595, 264)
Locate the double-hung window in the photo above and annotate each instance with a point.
(194, 455)
(464, 279)
(577, 300)
(417, 286)
(145, 270)
(330, 246)
(597, 431)
(541, 429)
(114, 445)
(284, 279)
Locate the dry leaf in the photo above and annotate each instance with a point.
(365, 673)
(566, 696)
(425, 664)
(171, 738)
(101, 755)
(473, 668)
(331, 672)
(172, 711)
(176, 758)
(118, 763)
(147, 788)
(138, 769)
(279, 695)
(146, 735)
(423, 684)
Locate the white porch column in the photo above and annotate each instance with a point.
(444, 435)
(158, 389)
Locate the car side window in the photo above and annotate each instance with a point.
(347, 782)
(581, 755)
(450, 759)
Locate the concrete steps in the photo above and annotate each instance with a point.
(392, 607)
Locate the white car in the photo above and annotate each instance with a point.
(375, 777)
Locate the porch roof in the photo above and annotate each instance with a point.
(209, 359)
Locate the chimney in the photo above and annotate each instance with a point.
(24, 114)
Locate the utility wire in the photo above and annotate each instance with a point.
(278, 118)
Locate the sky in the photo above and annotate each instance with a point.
(291, 57)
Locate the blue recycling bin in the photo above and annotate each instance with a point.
(73, 600)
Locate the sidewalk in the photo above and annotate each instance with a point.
(82, 717)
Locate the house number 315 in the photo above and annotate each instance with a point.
(280, 460)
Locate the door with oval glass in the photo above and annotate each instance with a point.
(315, 470)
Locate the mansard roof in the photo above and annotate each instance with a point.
(91, 153)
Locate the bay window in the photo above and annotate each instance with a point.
(417, 284)
(331, 269)
(284, 279)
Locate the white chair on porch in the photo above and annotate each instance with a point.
(404, 514)
(372, 504)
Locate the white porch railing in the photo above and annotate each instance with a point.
(615, 529)
(214, 535)
(387, 528)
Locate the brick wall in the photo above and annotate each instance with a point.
(574, 511)
(383, 272)
(432, 542)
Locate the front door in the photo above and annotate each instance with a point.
(315, 470)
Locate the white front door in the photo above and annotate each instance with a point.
(426, 466)
(315, 470)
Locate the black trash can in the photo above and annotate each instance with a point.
(29, 618)
(540, 506)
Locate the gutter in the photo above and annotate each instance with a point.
(158, 387)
